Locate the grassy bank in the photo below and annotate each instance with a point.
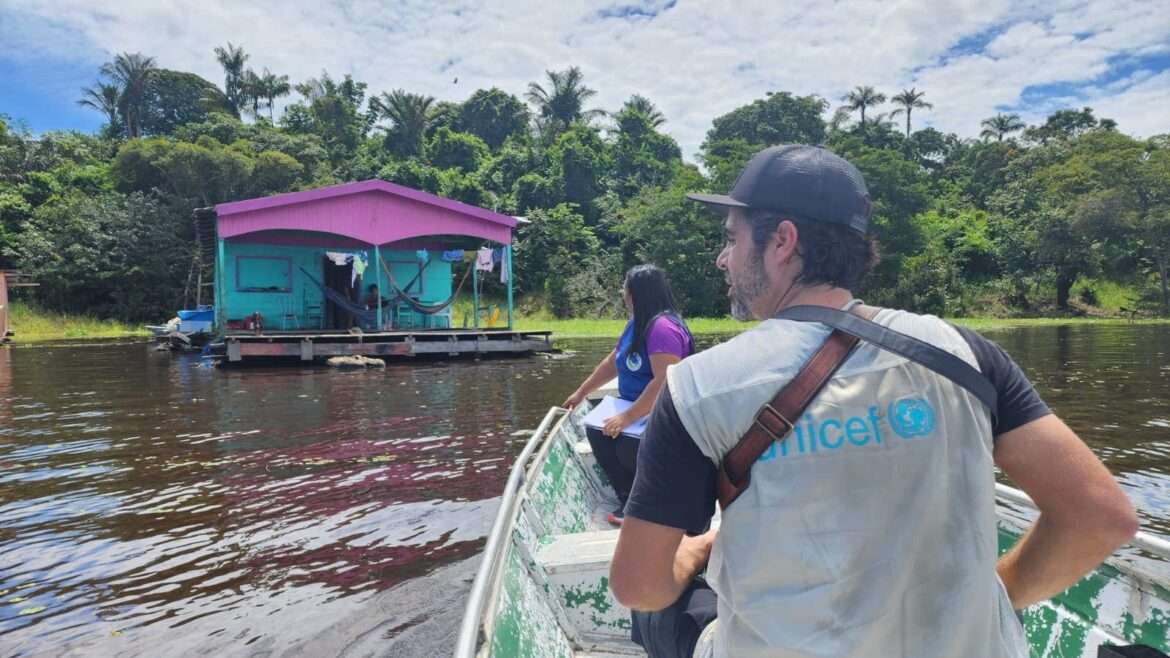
(604, 328)
(32, 324)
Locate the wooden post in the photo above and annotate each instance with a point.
(220, 259)
(3, 307)
(377, 265)
(508, 264)
(475, 291)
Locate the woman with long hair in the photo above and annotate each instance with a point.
(654, 338)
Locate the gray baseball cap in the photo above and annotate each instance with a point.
(804, 182)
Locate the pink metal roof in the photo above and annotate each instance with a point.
(372, 211)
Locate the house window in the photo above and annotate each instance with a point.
(263, 274)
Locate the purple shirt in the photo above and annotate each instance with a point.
(666, 337)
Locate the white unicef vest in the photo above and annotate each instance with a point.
(871, 531)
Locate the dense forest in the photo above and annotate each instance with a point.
(1026, 220)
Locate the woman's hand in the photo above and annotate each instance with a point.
(573, 400)
(615, 424)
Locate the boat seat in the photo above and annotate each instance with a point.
(576, 568)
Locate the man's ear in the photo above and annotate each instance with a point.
(786, 239)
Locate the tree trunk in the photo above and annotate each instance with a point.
(1160, 258)
(1064, 283)
(907, 123)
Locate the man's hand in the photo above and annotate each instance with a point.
(1084, 514)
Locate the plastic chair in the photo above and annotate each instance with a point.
(288, 313)
(314, 311)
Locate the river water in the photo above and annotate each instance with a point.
(150, 505)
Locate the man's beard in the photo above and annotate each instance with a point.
(747, 288)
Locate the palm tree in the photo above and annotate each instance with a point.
(1000, 125)
(251, 92)
(409, 114)
(910, 99)
(104, 98)
(638, 103)
(132, 73)
(562, 103)
(232, 59)
(861, 98)
(272, 87)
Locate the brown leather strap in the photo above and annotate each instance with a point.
(775, 419)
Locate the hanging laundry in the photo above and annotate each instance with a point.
(504, 267)
(422, 255)
(453, 255)
(359, 267)
(483, 259)
(338, 258)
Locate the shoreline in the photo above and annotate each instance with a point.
(33, 326)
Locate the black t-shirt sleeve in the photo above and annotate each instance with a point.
(675, 482)
(1017, 399)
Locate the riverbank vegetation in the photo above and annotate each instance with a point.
(33, 325)
(1068, 217)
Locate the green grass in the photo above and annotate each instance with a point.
(32, 324)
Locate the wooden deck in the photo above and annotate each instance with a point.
(311, 345)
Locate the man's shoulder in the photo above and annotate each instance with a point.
(768, 349)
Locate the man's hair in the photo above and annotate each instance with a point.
(832, 253)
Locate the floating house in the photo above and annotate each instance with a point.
(369, 268)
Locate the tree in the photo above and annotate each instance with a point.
(331, 109)
(579, 159)
(910, 100)
(271, 87)
(408, 115)
(642, 104)
(660, 226)
(861, 98)
(1001, 125)
(563, 102)
(232, 59)
(251, 92)
(550, 249)
(105, 98)
(493, 116)
(641, 156)
(778, 118)
(453, 150)
(133, 73)
(175, 99)
(1066, 125)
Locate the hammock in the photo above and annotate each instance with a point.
(426, 309)
(363, 315)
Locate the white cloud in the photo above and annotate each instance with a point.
(689, 59)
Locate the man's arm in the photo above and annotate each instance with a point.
(1084, 514)
(654, 563)
(674, 490)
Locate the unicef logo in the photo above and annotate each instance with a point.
(634, 362)
(911, 417)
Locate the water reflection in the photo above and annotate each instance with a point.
(153, 506)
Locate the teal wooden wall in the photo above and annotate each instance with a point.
(261, 266)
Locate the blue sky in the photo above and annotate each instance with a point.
(695, 60)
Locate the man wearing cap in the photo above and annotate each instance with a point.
(870, 530)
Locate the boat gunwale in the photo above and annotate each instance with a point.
(490, 568)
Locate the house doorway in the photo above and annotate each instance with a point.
(339, 278)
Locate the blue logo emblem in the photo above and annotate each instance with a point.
(634, 362)
(911, 417)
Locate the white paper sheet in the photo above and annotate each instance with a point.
(609, 407)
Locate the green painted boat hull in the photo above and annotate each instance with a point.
(543, 590)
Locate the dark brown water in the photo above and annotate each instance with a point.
(152, 506)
